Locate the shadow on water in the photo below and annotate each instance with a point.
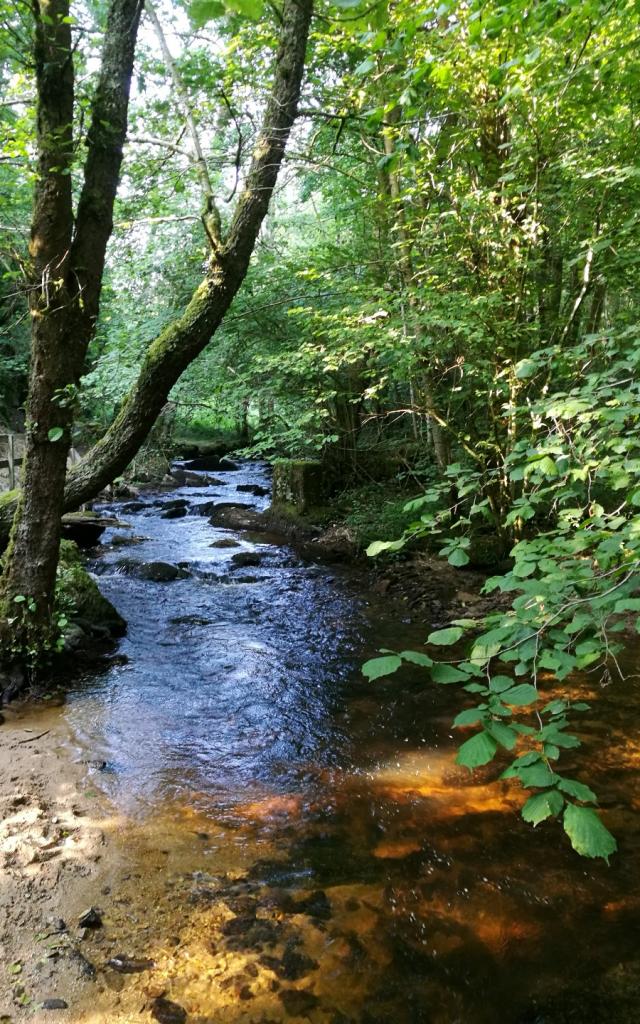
(301, 844)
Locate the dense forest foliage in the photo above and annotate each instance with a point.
(445, 288)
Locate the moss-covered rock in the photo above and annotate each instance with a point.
(299, 483)
(78, 596)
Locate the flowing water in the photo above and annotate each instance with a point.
(300, 843)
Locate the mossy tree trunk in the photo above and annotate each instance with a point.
(178, 345)
(67, 256)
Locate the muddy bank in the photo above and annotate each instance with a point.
(55, 861)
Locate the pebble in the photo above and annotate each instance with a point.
(54, 1004)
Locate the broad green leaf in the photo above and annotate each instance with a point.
(458, 557)
(470, 716)
(444, 637)
(202, 11)
(504, 734)
(441, 673)
(375, 668)
(478, 750)
(55, 433)
(588, 835)
(520, 695)
(536, 776)
(378, 546)
(498, 684)
(578, 790)
(417, 658)
(542, 806)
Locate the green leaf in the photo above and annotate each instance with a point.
(444, 637)
(55, 433)
(542, 806)
(378, 546)
(504, 734)
(202, 11)
(441, 673)
(417, 658)
(498, 684)
(248, 8)
(525, 369)
(521, 695)
(470, 716)
(458, 557)
(536, 776)
(627, 604)
(578, 790)
(588, 835)
(478, 750)
(375, 668)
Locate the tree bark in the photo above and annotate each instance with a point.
(181, 342)
(177, 346)
(67, 264)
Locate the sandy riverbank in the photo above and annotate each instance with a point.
(54, 835)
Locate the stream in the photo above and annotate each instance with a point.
(298, 844)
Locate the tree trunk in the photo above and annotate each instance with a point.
(67, 263)
(177, 346)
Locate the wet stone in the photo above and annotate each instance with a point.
(292, 966)
(316, 905)
(296, 1002)
(167, 1012)
(225, 542)
(174, 513)
(246, 559)
(129, 965)
(92, 918)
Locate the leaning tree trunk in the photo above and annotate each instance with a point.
(178, 345)
(67, 264)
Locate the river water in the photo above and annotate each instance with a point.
(300, 843)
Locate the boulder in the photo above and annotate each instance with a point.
(174, 513)
(237, 517)
(208, 462)
(300, 484)
(257, 489)
(77, 590)
(246, 559)
(156, 572)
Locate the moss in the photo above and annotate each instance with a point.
(299, 483)
(77, 593)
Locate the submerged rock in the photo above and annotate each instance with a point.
(167, 1012)
(225, 542)
(92, 917)
(129, 965)
(298, 1002)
